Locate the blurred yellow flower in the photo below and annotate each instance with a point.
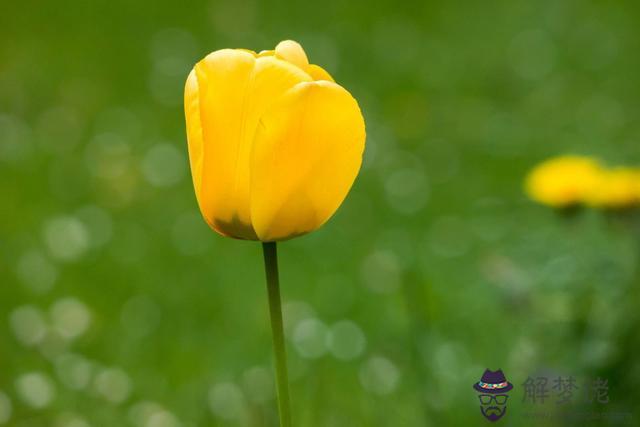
(274, 143)
(563, 181)
(616, 188)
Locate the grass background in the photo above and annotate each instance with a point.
(118, 306)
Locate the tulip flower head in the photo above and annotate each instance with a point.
(274, 143)
(617, 188)
(563, 181)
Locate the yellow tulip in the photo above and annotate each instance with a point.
(274, 143)
(617, 188)
(563, 181)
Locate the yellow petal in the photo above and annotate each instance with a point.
(616, 188)
(318, 73)
(267, 53)
(194, 128)
(306, 155)
(563, 181)
(252, 52)
(234, 89)
(292, 51)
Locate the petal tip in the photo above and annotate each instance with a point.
(293, 52)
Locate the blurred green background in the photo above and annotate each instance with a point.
(119, 307)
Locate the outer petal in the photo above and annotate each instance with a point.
(233, 90)
(318, 73)
(194, 129)
(252, 52)
(292, 51)
(307, 153)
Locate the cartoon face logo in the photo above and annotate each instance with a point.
(492, 391)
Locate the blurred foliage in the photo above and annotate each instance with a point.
(118, 306)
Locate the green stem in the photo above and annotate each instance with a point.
(275, 310)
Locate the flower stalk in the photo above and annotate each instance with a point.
(275, 312)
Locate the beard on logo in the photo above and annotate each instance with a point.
(493, 413)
